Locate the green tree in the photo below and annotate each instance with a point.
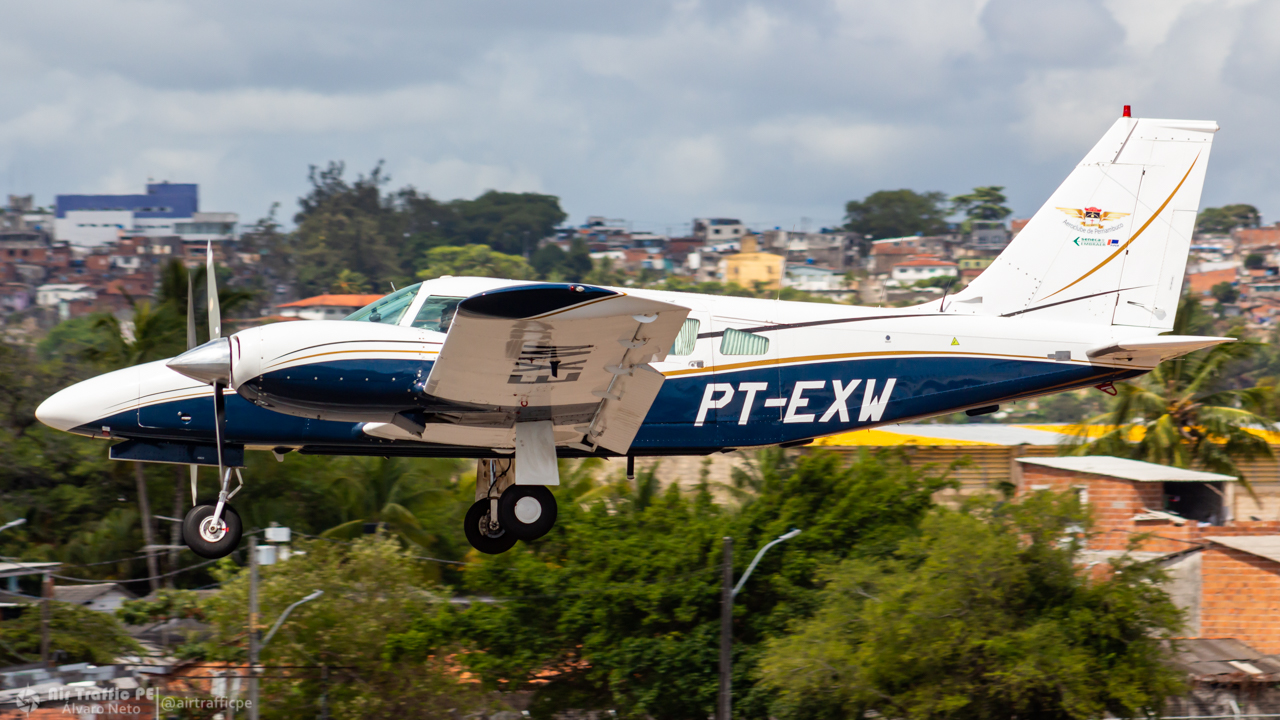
(346, 226)
(984, 203)
(372, 589)
(511, 223)
(474, 260)
(1253, 261)
(618, 606)
(897, 213)
(1224, 219)
(1185, 413)
(391, 493)
(548, 261)
(76, 634)
(986, 615)
(1225, 292)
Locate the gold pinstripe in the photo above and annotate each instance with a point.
(898, 353)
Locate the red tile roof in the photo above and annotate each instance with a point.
(351, 301)
(925, 261)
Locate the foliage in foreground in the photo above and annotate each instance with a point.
(618, 607)
(372, 588)
(76, 634)
(985, 615)
(1185, 413)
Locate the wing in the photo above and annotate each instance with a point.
(574, 354)
(1073, 212)
(1113, 215)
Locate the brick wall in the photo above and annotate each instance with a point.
(1112, 501)
(1240, 598)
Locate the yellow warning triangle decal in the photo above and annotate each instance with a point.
(955, 341)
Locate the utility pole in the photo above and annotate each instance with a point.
(148, 537)
(253, 627)
(724, 706)
(324, 691)
(46, 611)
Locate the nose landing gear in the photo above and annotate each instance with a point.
(211, 537)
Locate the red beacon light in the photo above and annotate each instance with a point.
(1126, 112)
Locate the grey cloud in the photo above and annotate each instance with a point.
(653, 111)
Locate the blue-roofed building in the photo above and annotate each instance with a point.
(166, 209)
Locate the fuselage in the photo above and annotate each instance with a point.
(744, 372)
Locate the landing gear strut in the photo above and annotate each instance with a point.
(505, 512)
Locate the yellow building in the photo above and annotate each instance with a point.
(749, 268)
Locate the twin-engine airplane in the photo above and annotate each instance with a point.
(491, 369)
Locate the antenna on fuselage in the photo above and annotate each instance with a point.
(945, 290)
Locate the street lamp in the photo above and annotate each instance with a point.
(12, 524)
(729, 591)
(256, 647)
(280, 620)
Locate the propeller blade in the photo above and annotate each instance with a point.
(195, 476)
(191, 313)
(211, 285)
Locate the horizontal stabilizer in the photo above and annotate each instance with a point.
(1160, 348)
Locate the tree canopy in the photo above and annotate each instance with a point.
(984, 615)
(897, 213)
(1227, 218)
(984, 203)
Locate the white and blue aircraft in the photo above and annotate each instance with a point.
(495, 369)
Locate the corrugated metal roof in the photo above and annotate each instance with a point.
(81, 594)
(1207, 657)
(1264, 546)
(1127, 469)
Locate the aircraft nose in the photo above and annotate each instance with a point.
(90, 401)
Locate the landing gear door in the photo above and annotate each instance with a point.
(746, 360)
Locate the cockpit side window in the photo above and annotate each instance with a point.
(437, 313)
(387, 310)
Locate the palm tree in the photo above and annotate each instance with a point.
(382, 492)
(1185, 412)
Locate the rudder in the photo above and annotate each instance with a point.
(1110, 245)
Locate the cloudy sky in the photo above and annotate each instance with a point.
(656, 112)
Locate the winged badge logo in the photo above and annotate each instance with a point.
(1092, 217)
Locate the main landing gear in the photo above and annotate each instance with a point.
(505, 512)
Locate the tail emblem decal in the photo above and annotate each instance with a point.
(1092, 219)
(1141, 230)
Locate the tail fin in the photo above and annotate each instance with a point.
(1110, 246)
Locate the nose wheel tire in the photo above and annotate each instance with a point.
(484, 535)
(529, 511)
(210, 539)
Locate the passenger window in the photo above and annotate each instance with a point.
(686, 340)
(387, 310)
(437, 313)
(737, 342)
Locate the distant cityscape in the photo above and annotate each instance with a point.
(101, 253)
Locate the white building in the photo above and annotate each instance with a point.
(923, 267)
(718, 230)
(813, 278)
(55, 294)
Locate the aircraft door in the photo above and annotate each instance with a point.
(687, 368)
(748, 402)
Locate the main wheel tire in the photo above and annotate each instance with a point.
(481, 536)
(529, 511)
(207, 541)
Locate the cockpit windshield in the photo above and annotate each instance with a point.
(437, 313)
(389, 309)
